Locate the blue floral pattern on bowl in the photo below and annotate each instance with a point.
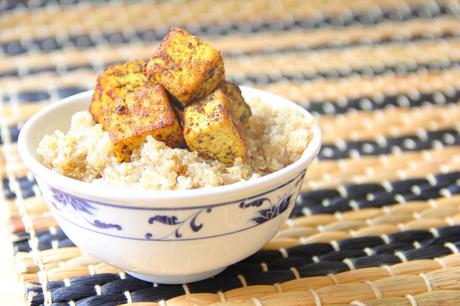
(63, 200)
(175, 223)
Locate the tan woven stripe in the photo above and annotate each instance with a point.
(346, 59)
(352, 229)
(47, 81)
(380, 175)
(357, 276)
(373, 221)
(344, 35)
(389, 122)
(301, 298)
(354, 87)
(241, 42)
(84, 19)
(312, 62)
(13, 114)
(375, 164)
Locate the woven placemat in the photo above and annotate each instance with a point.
(378, 219)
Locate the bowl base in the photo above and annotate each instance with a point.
(176, 279)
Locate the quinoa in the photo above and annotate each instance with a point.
(276, 137)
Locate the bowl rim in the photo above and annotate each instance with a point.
(112, 194)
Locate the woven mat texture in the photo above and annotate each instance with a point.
(378, 219)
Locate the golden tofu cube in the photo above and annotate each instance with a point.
(188, 67)
(240, 107)
(211, 128)
(114, 83)
(145, 111)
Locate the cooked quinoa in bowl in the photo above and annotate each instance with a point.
(276, 137)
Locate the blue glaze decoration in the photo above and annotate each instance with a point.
(62, 200)
(176, 223)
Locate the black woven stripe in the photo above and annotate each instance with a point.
(24, 246)
(25, 185)
(7, 6)
(85, 41)
(13, 134)
(429, 140)
(337, 74)
(45, 240)
(310, 260)
(376, 195)
(335, 45)
(317, 108)
(238, 54)
(323, 107)
(28, 96)
(381, 102)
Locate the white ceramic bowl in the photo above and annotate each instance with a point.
(165, 236)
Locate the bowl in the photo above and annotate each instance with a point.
(165, 237)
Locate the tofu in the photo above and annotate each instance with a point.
(142, 112)
(212, 129)
(188, 67)
(240, 107)
(114, 83)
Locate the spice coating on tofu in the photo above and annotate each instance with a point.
(130, 110)
(211, 128)
(188, 67)
(140, 98)
(115, 82)
(240, 107)
(143, 112)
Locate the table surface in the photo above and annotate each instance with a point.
(379, 213)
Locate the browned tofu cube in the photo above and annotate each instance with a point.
(145, 111)
(130, 109)
(211, 128)
(240, 107)
(114, 83)
(188, 67)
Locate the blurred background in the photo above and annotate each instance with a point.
(382, 76)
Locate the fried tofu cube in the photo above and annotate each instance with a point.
(130, 109)
(114, 83)
(145, 111)
(188, 67)
(240, 107)
(212, 129)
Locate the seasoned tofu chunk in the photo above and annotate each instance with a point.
(114, 83)
(130, 109)
(142, 112)
(212, 129)
(240, 107)
(188, 67)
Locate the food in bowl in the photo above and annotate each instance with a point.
(175, 236)
(173, 122)
(276, 138)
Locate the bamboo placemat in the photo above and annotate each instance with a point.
(378, 220)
